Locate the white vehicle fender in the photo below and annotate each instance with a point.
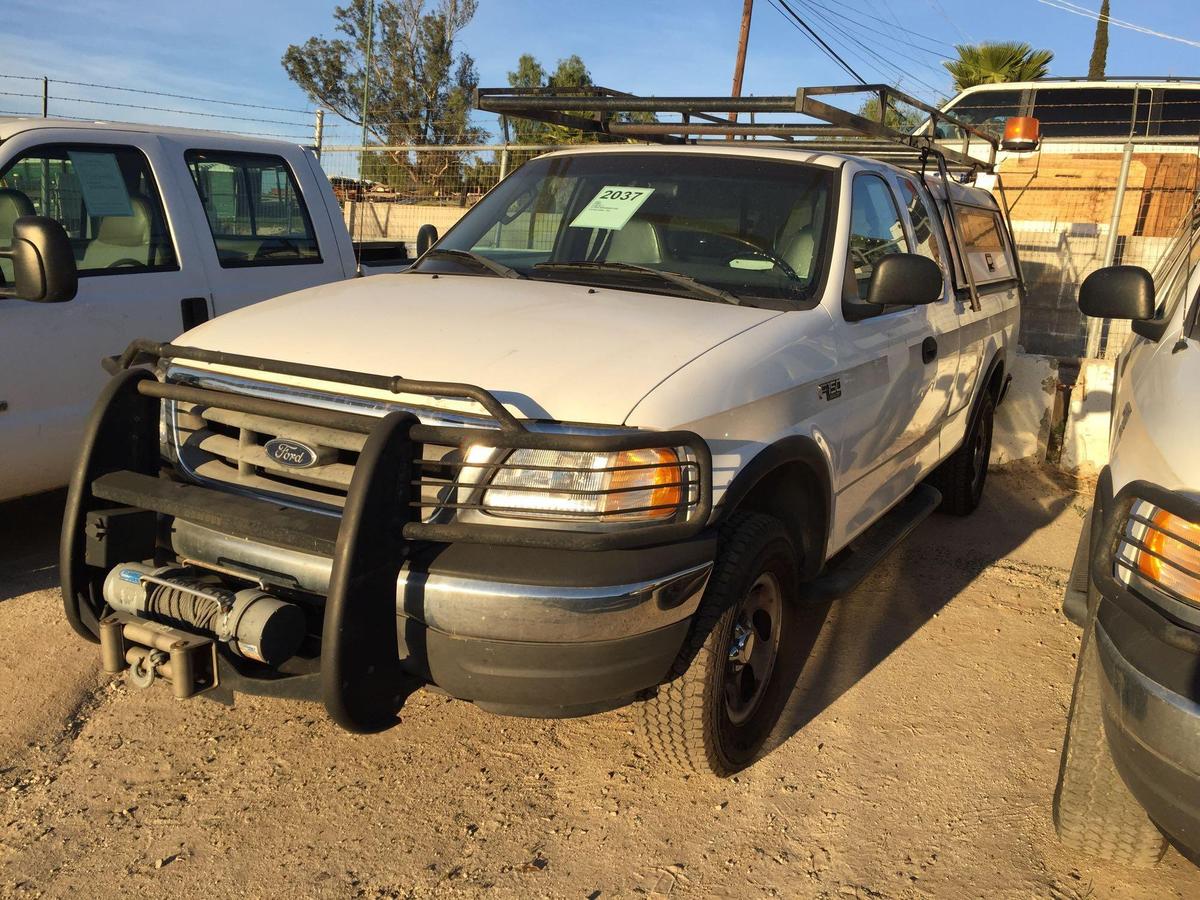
(771, 416)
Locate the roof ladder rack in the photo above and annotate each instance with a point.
(830, 129)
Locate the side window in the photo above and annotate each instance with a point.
(983, 243)
(875, 228)
(105, 197)
(1084, 112)
(922, 223)
(1180, 112)
(254, 208)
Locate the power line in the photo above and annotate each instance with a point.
(938, 53)
(799, 23)
(891, 12)
(113, 87)
(873, 13)
(1065, 6)
(166, 109)
(941, 11)
(900, 70)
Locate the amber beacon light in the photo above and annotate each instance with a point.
(1021, 134)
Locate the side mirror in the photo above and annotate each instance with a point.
(427, 236)
(905, 279)
(43, 262)
(1118, 292)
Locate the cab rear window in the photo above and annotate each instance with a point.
(984, 244)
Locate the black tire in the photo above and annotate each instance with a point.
(1094, 812)
(708, 717)
(961, 478)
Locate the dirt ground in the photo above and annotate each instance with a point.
(917, 758)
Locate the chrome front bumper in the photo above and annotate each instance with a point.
(468, 607)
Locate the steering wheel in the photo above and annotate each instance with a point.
(126, 261)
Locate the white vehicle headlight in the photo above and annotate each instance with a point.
(624, 485)
(1164, 549)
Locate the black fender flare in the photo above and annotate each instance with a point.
(997, 364)
(797, 448)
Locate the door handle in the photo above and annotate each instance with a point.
(928, 350)
(194, 311)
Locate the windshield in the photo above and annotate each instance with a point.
(752, 229)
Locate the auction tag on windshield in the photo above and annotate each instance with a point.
(101, 182)
(612, 207)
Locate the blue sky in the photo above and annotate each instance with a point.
(230, 50)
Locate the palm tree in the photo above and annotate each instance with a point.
(996, 63)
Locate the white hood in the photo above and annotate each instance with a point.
(546, 349)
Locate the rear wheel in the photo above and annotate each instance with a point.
(961, 477)
(726, 691)
(1094, 812)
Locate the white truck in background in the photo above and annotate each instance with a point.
(169, 228)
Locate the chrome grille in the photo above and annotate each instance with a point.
(226, 447)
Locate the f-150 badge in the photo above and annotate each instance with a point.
(830, 390)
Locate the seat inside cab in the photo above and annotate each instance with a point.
(124, 240)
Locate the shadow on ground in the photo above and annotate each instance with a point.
(845, 640)
(29, 531)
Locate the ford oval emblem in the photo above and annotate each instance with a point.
(292, 454)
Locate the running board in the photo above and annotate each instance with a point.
(867, 550)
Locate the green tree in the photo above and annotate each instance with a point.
(529, 73)
(569, 73)
(898, 118)
(420, 88)
(997, 63)
(1099, 60)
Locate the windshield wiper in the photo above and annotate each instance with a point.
(675, 278)
(476, 259)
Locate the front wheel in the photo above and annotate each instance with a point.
(726, 690)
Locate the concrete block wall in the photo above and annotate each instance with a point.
(1085, 438)
(1025, 419)
(1034, 417)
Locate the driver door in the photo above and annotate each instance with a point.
(134, 282)
(899, 364)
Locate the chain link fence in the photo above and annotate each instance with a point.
(389, 192)
(1079, 207)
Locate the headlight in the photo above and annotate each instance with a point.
(1163, 549)
(626, 485)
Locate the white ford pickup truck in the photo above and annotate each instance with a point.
(169, 227)
(653, 399)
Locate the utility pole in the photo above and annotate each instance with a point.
(739, 65)
(362, 149)
(362, 153)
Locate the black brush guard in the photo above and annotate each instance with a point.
(120, 467)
